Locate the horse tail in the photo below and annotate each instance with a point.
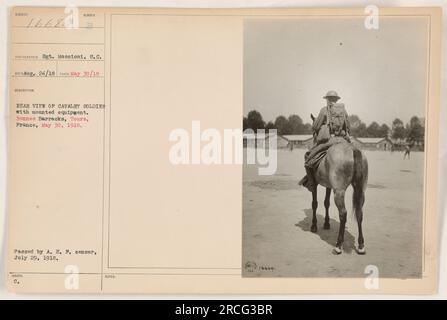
(359, 183)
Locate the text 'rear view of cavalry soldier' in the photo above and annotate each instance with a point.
(330, 127)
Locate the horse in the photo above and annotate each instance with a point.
(343, 165)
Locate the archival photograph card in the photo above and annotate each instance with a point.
(263, 151)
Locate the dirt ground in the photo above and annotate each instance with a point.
(277, 214)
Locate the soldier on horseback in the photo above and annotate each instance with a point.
(335, 163)
(330, 127)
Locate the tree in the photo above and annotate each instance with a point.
(361, 130)
(255, 121)
(245, 123)
(282, 125)
(415, 131)
(398, 129)
(358, 128)
(295, 124)
(354, 121)
(307, 128)
(384, 130)
(270, 125)
(373, 130)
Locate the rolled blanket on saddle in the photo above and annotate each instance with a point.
(314, 156)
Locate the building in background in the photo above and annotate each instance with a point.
(383, 144)
(258, 140)
(290, 141)
(298, 140)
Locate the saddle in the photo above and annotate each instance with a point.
(313, 157)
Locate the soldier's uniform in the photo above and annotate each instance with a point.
(339, 128)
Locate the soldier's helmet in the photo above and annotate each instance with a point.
(331, 93)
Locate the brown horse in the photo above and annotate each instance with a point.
(342, 166)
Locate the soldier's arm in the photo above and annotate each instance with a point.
(348, 125)
(319, 120)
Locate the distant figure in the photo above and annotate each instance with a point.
(291, 145)
(407, 151)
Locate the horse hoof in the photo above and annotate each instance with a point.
(337, 250)
(313, 229)
(361, 251)
(326, 226)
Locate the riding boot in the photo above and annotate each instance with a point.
(310, 183)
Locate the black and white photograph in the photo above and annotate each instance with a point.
(345, 106)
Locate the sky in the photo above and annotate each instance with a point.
(289, 65)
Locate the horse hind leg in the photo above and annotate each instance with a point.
(327, 202)
(314, 228)
(340, 203)
(358, 198)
